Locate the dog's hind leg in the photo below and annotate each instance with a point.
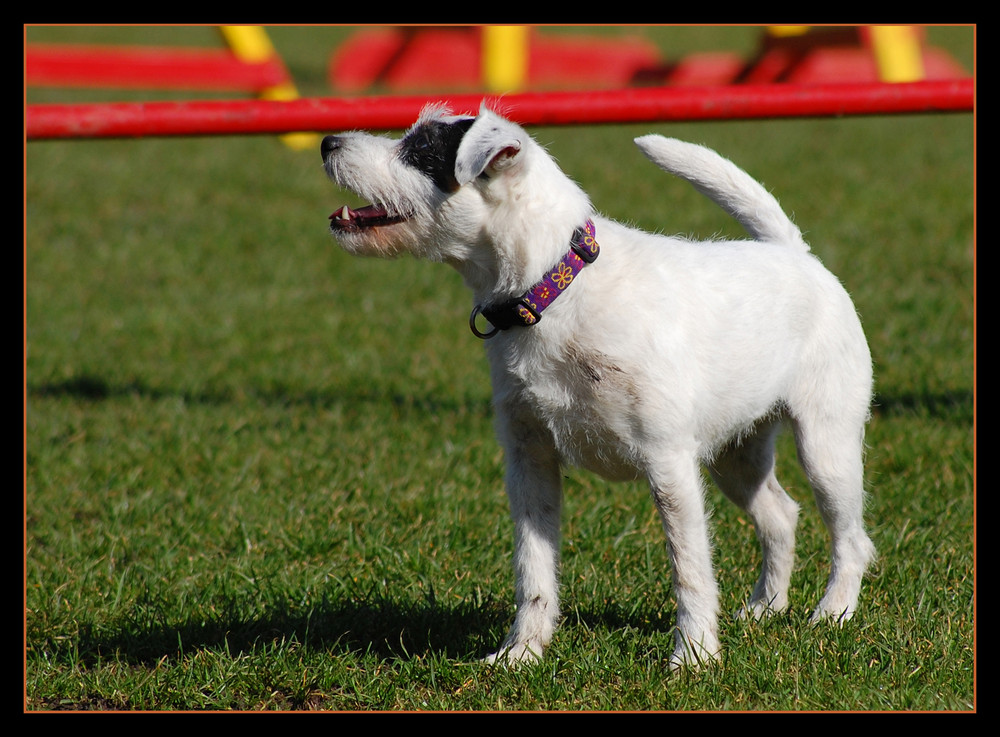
(832, 456)
(745, 473)
(534, 490)
(679, 497)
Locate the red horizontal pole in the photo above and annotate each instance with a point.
(149, 67)
(660, 104)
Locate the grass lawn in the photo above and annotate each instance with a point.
(261, 474)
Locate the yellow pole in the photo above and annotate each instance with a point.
(505, 57)
(897, 53)
(787, 31)
(252, 45)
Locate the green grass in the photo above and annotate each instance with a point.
(261, 474)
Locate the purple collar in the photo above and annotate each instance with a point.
(527, 309)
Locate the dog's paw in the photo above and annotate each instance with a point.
(515, 654)
(755, 611)
(694, 656)
(831, 613)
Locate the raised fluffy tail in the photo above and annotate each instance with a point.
(719, 179)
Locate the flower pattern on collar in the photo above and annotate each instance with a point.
(527, 309)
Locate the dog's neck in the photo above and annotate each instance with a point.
(526, 310)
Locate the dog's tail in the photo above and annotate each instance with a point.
(719, 179)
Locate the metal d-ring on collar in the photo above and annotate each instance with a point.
(527, 309)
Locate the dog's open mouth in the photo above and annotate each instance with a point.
(370, 216)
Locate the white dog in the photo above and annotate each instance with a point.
(644, 362)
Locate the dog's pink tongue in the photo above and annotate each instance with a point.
(369, 211)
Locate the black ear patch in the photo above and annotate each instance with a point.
(431, 149)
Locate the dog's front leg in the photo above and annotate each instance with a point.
(534, 490)
(678, 493)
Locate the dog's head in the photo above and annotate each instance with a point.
(473, 191)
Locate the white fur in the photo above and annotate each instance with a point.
(662, 355)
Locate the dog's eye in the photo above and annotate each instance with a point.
(431, 150)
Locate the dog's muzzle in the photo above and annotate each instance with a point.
(346, 219)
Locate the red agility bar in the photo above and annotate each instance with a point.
(661, 104)
(148, 67)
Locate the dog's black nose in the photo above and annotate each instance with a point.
(329, 144)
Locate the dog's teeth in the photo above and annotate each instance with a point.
(343, 214)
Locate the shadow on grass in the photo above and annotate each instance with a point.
(91, 388)
(466, 632)
(951, 405)
(380, 628)
(956, 406)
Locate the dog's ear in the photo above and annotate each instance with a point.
(491, 144)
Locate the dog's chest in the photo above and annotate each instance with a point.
(591, 406)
